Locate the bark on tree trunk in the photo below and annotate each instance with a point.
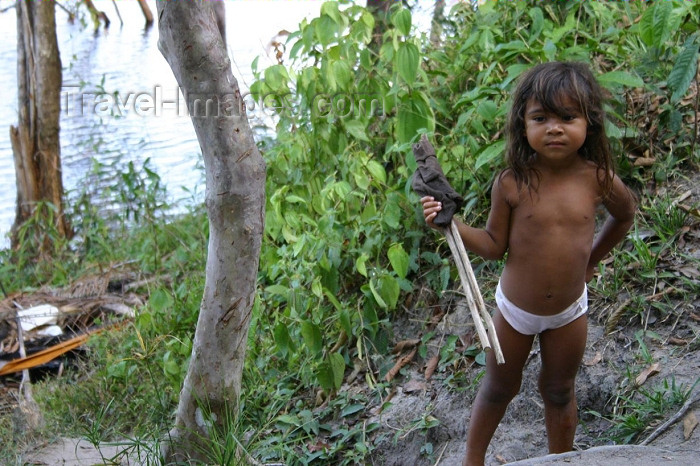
(220, 12)
(35, 140)
(235, 198)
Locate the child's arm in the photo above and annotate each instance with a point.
(490, 242)
(621, 206)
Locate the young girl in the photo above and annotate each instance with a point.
(543, 209)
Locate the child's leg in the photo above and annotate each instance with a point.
(562, 350)
(500, 384)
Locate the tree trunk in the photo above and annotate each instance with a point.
(96, 15)
(436, 23)
(235, 199)
(379, 6)
(380, 11)
(35, 140)
(146, 12)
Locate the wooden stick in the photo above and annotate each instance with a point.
(477, 293)
(471, 289)
(471, 303)
(28, 407)
(22, 351)
(402, 361)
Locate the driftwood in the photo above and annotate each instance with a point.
(74, 310)
(473, 294)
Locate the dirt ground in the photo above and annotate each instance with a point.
(426, 420)
(521, 435)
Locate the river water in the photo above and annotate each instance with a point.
(123, 63)
(125, 59)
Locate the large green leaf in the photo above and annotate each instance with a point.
(684, 68)
(487, 110)
(345, 323)
(377, 296)
(325, 28)
(337, 363)
(398, 259)
(654, 27)
(160, 300)
(414, 114)
(490, 153)
(377, 171)
(282, 340)
(356, 129)
(331, 9)
(342, 74)
(360, 264)
(537, 23)
(312, 336)
(385, 290)
(569, 26)
(389, 290)
(392, 214)
(402, 21)
(407, 60)
(276, 77)
(620, 77)
(324, 374)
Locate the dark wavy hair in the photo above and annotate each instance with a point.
(548, 84)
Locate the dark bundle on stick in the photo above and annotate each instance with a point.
(429, 180)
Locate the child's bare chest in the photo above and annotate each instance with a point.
(569, 208)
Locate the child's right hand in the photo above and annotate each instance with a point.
(431, 207)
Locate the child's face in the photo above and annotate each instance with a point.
(555, 136)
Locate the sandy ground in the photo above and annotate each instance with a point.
(80, 452)
(76, 452)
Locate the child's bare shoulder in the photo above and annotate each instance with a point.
(596, 175)
(506, 185)
(592, 167)
(506, 179)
